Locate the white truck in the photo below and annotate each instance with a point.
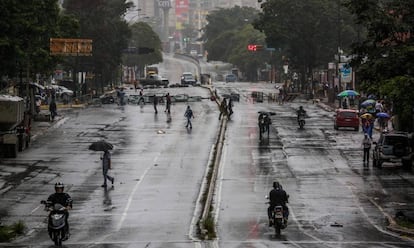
(14, 126)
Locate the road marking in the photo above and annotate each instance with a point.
(35, 209)
(361, 208)
(125, 212)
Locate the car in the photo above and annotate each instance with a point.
(108, 97)
(65, 91)
(187, 78)
(346, 118)
(165, 81)
(230, 78)
(134, 99)
(393, 148)
(193, 53)
(180, 98)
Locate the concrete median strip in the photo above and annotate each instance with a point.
(211, 177)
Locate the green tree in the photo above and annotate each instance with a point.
(101, 21)
(385, 58)
(143, 36)
(26, 28)
(308, 32)
(248, 61)
(227, 35)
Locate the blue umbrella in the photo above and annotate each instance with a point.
(369, 102)
(382, 115)
(348, 93)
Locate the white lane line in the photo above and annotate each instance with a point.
(35, 209)
(131, 195)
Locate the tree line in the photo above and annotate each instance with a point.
(308, 34)
(28, 25)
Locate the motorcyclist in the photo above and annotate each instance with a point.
(63, 199)
(278, 197)
(267, 121)
(300, 112)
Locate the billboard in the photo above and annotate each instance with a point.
(346, 72)
(70, 47)
(181, 14)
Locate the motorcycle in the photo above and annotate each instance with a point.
(57, 229)
(301, 120)
(278, 219)
(264, 122)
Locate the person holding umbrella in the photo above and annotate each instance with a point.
(106, 158)
(106, 165)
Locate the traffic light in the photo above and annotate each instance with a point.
(254, 47)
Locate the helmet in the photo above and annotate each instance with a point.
(276, 185)
(59, 185)
(300, 107)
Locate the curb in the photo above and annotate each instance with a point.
(394, 227)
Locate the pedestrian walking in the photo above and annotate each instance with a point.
(230, 107)
(189, 114)
(366, 144)
(223, 108)
(106, 165)
(155, 104)
(370, 127)
(53, 109)
(168, 103)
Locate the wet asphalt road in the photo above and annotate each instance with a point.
(159, 168)
(334, 200)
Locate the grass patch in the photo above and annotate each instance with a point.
(7, 233)
(405, 223)
(210, 227)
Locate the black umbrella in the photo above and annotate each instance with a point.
(101, 146)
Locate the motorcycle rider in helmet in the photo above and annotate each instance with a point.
(267, 121)
(300, 112)
(278, 197)
(63, 199)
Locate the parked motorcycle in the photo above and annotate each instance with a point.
(301, 121)
(57, 228)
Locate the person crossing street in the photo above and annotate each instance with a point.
(189, 114)
(106, 165)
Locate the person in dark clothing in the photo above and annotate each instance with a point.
(53, 109)
(223, 108)
(168, 103)
(230, 107)
(277, 197)
(106, 166)
(300, 112)
(63, 199)
(155, 104)
(189, 114)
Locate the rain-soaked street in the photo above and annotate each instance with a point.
(160, 166)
